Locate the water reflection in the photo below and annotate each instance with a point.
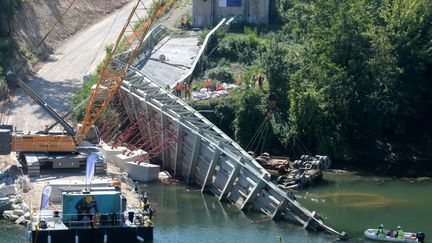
(185, 215)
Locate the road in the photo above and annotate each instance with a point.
(179, 53)
(61, 75)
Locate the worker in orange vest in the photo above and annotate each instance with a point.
(182, 23)
(178, 89)
(208, 84)
(219, 86)
(187, 91)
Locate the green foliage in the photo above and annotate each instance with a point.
(7, 50)
(365, 68)
(8, 46)
(276, 67)
(3, 85)
(85, 91)
(220, 73)
(243, 48)
(250, 113)
(8, 10)
(351, 78)
(82, 94)
(224, 111)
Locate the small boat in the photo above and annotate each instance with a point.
(408, 237)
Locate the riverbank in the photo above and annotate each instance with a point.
(389, 164)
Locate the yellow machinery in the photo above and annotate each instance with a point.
(109, 81)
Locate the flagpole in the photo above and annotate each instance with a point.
(90, 169)
(40, 206)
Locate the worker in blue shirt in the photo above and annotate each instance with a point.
(84, 207)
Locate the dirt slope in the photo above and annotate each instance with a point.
(36, 17)
(60, 75)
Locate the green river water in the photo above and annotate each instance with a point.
(347, 202)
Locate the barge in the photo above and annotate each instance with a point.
(98, 215)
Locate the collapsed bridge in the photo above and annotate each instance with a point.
(193, 148)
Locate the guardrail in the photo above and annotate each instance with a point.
(224, 24)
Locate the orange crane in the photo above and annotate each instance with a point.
(109, 81)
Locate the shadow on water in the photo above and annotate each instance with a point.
(183, 214)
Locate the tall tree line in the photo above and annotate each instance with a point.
(360, 78)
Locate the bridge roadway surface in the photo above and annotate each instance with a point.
(171, 59)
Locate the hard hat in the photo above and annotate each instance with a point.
(88, 198)
(381, 226)
(398, 227)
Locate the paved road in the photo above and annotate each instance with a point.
(179, 54)
(61, 76)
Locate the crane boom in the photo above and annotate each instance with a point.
(111, 75)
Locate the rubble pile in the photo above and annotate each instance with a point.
(300, 173)
(12, 206)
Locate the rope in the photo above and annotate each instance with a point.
(263, 140)
(106, 35)
(256, 135)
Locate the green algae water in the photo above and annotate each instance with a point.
(353, 203)
(347, 202)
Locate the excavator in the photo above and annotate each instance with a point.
(71, 147)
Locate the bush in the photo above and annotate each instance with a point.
(7, 50)
(224, 112)
(243, 48)
(3, 85)
(222, 74)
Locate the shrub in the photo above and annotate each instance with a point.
(222, 74)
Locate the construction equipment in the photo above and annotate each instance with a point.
(70, 148)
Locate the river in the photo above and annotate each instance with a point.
(346, 201)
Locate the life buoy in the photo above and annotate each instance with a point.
(96, 220)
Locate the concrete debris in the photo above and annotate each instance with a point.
(18, 212)
(7, 190)
(144, 172)
(11, 173)
(20, 220)
(23, 184)
(12, 183)
(7, 213)
(27, 215)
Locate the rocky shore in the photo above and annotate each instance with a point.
(12, 185)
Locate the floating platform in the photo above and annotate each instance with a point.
(97, 215)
